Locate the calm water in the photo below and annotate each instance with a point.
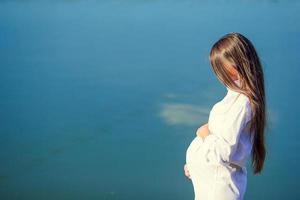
(100, 99)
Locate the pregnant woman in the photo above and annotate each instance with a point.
(216, 158)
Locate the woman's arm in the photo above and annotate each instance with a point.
(219, 147)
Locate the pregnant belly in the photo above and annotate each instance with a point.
(196, 162)
(193, 150)
(201, 174)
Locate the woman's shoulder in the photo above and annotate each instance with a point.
(241, 102)
(244, 100)
(231, 103)
(244, 104)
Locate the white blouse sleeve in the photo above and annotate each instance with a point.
(221, 146)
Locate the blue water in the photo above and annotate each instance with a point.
(100, 99)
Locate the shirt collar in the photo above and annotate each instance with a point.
(232, 91)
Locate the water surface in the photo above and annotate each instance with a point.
(100, 99)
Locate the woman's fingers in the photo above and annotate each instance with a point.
(204, 127)
(186, 171)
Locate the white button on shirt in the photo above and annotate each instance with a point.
(217, 164)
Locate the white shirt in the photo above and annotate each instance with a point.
(217, 164)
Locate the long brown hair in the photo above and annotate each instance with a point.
(236, 49)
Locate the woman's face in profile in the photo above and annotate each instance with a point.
(231, 71)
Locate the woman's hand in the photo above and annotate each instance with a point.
(186, 171)
(203, 131)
